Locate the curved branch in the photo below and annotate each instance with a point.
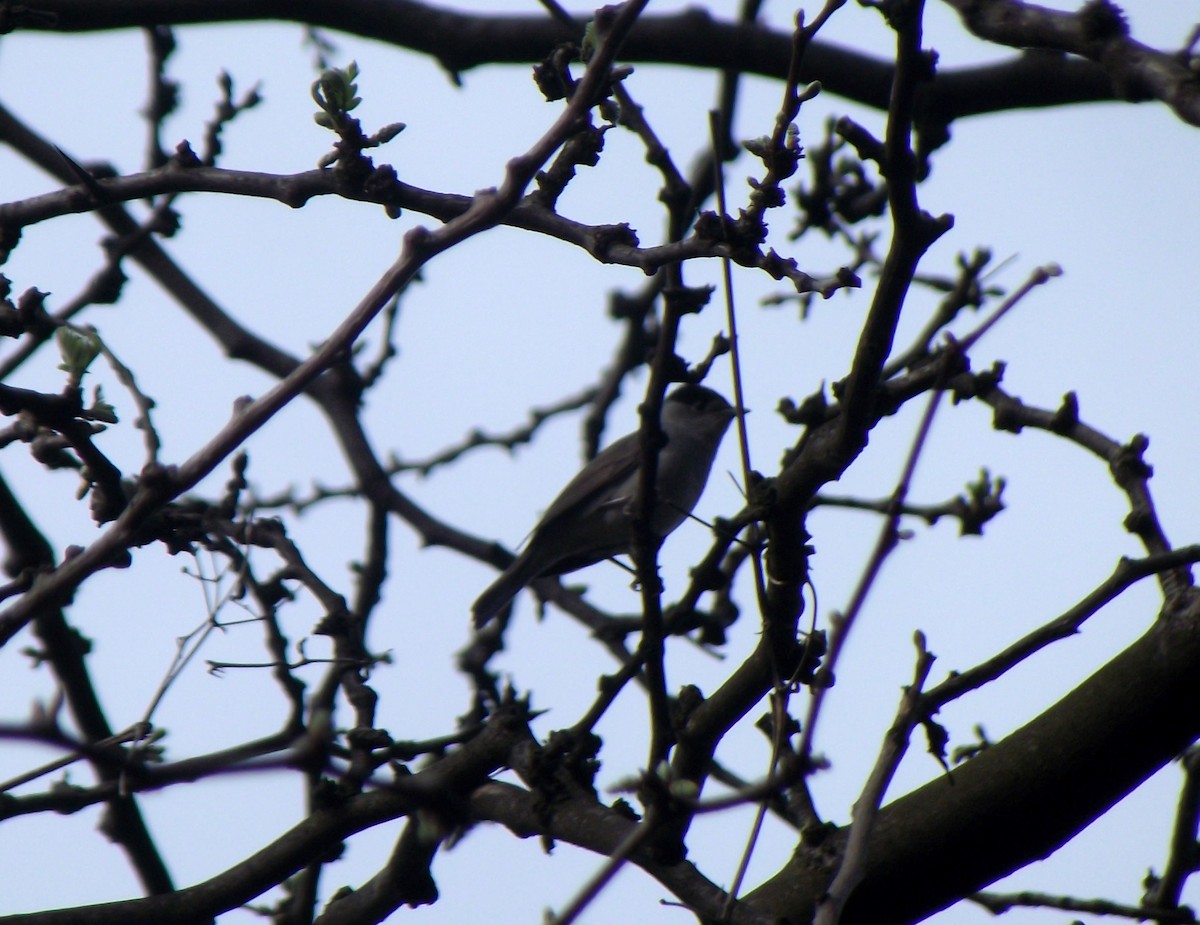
(1098, 32)
(432, 789)
(1025, 796)
(613, 244)
(460, 41)
(159, 485)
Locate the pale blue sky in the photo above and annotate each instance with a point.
(1109, 192)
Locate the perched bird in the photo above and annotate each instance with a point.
(591, 518)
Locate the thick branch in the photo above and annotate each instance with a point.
(1097, 31)
(692, 38)
(433, 789)
(1027, 795)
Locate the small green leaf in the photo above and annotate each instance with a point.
(77, 349)
(101, 410)
(335, 90)
(590, 43)
(684, 789)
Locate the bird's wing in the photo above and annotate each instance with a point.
(612, 465)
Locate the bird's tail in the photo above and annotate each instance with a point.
(502, 590)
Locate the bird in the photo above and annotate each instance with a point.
(591, 518)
